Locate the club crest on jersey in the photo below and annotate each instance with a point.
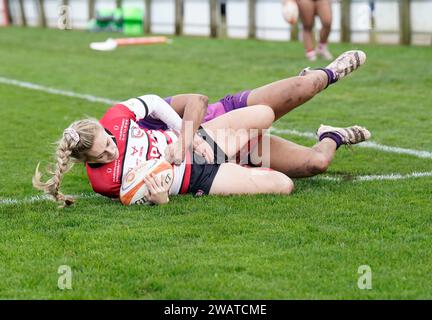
(137, 132)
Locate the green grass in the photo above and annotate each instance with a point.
(308, 245)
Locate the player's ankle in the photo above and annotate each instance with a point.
(331, 76)
(311, 54)
(322, 46)
(333, 136)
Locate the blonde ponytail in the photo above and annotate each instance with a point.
(72, 147)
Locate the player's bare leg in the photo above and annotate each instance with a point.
(232, 130)
(235, 179)
(324, 11)
(285, 95)
(307, 16)
(298, 161)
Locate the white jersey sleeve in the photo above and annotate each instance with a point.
(153, 106)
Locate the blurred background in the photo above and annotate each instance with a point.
(358, 21)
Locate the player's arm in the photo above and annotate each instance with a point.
(154, 106)
(179, 102)
(193, 115)
(192, 108)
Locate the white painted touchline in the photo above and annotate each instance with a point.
(411, 152)
(37, 87)
(393, 176)
(39, 198)
(293, 132)
(91, 98)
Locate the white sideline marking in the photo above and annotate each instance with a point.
(37, 87)
(368, 144)
(393, 176)
(33, 199)
(91, 98)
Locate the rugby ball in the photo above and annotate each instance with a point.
(133, 188)
(290, 11)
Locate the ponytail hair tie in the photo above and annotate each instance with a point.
(73, 134)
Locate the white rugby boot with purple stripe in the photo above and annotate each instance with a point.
(348, 136)
(347, 62)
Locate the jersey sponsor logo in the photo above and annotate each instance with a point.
(124, 129)
(153, 151)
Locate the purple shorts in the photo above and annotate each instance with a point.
(214, 110)
(227, 104)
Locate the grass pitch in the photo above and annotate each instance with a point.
(308, 245)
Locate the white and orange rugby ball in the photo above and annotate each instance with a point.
(290, 11)
(133, 188)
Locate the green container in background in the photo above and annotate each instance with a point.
(133, 21)
(107, 20)
(117, 19)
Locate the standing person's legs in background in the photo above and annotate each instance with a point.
(324, 11)
(307, 15)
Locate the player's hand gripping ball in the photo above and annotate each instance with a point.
(134, 189)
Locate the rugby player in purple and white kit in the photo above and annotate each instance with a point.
(184, 127)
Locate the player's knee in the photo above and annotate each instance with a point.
(318, 164)
(265, 115)
(326, 24)
(202, 98)
(307, 27)
(282, 184)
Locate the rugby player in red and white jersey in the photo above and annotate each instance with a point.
(126, 142)
(150, 127)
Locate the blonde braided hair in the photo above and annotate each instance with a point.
(77, 140)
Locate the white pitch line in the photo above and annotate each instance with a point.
(37, 87)
(91, 98)
(39, 198)
(417, 153)
(368, 144)
(392, 176)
